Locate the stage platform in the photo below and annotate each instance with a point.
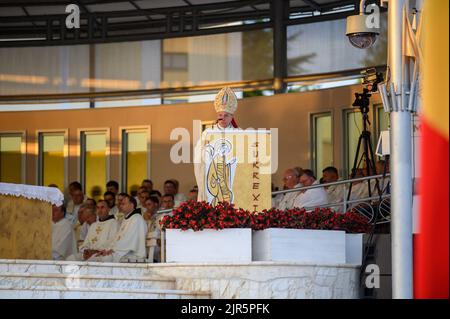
(40, 279)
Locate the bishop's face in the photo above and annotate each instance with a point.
(224, 119)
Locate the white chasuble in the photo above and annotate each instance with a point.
(101, 234)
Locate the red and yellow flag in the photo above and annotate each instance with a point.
(431, 267)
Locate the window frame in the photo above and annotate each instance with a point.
(81, 133)
(23, 150)
(38, 153)
(313, 138)
(122, 160)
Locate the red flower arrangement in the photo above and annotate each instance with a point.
(201, 215)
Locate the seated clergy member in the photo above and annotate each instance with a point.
(101, 233)
(80, 228)
(335, 192)
(78, 199)
(129, 242)
(310, 198)
(291, 180)
(171, 187)
(90, 217)
(142, 197)
(110, 199)
(148, 184)
(193, 194)
(112, 186)
(86, 216)
(63, 238)
(138, 195)
(120, 213)
(71, 206)
(90, 202)
(167, 201)
(152, 217)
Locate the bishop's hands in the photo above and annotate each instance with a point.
(88, 253)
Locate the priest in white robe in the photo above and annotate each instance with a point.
(100, 235)
(291, 180)
(129, 242)
(311, 198)
(63, 237)
(152, 218)
(78, 198)
(225, 105)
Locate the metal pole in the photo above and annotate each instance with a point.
(279, 45)
(401, 163)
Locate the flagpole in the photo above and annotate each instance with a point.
(401, 160)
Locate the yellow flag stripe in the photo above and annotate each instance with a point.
(436, 57)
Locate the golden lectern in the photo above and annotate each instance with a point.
(234, 165)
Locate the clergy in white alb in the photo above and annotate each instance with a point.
(335, 193)
(310, 198)
(63, 237)
(100, 235)
(291, 180)
(152, 218)
(129, 242)
(74, 205)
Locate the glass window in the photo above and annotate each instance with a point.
(323, 47)
(383, 119)
(94, 164)
(353, 128)
(216, 58)
(52, 162)
(322, 152)
(11, 164)
(135, 159)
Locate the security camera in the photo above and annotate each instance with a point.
(360, 35)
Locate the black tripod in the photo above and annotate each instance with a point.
(367, 155)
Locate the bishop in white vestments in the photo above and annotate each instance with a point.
(225, 105)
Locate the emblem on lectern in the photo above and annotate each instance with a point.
(220, 169)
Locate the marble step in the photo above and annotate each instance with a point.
(79, 268)
(97, 293)
(31, 280)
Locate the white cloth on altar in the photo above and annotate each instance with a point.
(129, 242)
(47, 194)
(312, 198)
(63, 240)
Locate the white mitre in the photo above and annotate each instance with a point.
(225, 101)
